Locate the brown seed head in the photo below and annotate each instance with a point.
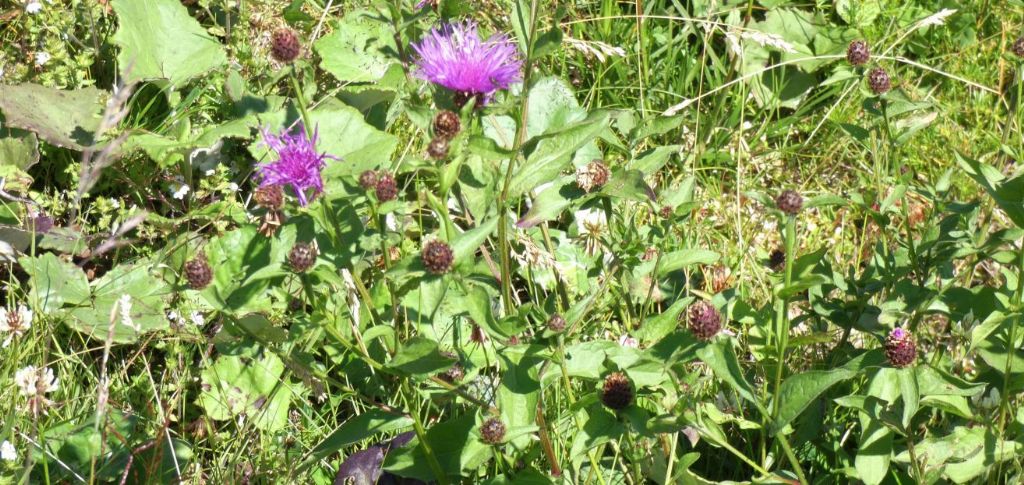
(198, 272)
(789, 202)
(437, 256)
(878, 81)
(858, 54)
(704, 320)
(285, 46)
(302, 257)
(617, 393)
(492, 431)
(387, 188)
(447, 124)
(269, 197)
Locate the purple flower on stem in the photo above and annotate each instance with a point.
(453, 56)
(298, 164)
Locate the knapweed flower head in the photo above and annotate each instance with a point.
(298, 164)
(455, 57)
(900, 348)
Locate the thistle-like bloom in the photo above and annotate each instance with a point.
(453, 56)
(298, 163)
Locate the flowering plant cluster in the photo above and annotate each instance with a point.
(440, 241)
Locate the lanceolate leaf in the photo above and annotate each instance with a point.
(552, 153)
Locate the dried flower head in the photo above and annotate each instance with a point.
(777, 259)
(387, 188)
(900, 348)
(447, 124)
(453, 56)
(592, 225)
(298, 164)
(437, 256)
(592, 175)
(15, 322)
(617, 392)
(438, 148)
(269, 197)
(1018, 46)
(302, 257)
(198, 272)
(492, 431)
(556, 323)
(704, 320)
(858, 53)
(878, 81)
(455, 373)
(368, 179)
(789, 202)
(285, 46)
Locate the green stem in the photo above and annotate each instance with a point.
(421, 433)
(300, 99)
(524, 102)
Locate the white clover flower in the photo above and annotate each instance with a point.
(591, 224)
(7, 451)
(181, 192)
(197, 319)
(15, 322)
(42, 58)
(34, 382)
(33, 6)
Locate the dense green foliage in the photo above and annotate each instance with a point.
(697, 242)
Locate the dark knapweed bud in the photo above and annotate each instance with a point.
(492, 431)
(1018, 46)
(437, 257)
(387, 188)
(285, 45)
(198, 272)
(556, 323)
(878, 81)
(447, 124)
(704, 320)
(777, 259)
(617, 393)
(858, 53)
(302, 257)
(438, 148)
(666, 211)
(368, 179)
(900, 348)
(789, 202)
(460, 98)
(592, 175)
(269, 197)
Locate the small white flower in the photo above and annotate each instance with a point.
(591, 224)
(197, 319)
(173, 316)
(7, 451)
(33, 6)
(210, 172)
(181, 192)
(115, 203)
(42, 58)
(35, 382)
(626, 341)
(15, 322)
(233, 187)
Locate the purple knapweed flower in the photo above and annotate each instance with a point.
(298, 163)
(453, 56)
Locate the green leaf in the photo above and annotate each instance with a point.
(858, 13)
(146, 293)
(356, 51)
(552, 153)
(465, 245)
(552, 106)
(455, 444)
(600, 427)
(235, 386)
(677, 260)
(798, 391)
(420, 357)
(55, 282)
(235, 256)
(874, 453)
(159, 40)
(656, 327)
(721, 358)
(356, 429)
(19, 148)
(629, 184)
(552, 201)
(1008, 194)
(64, 118)
(909, 392)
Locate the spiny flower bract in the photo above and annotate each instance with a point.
(455, 57)
(298, 164)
